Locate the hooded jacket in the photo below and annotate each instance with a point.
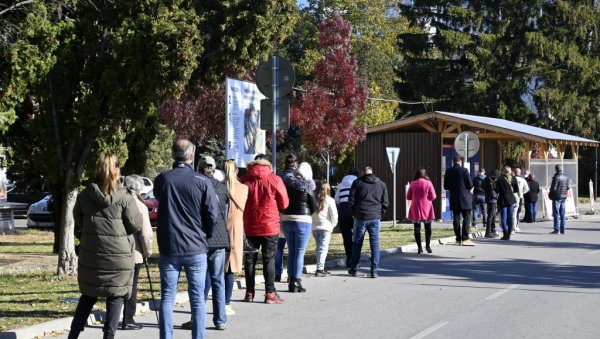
(368, 198)
(187, 211)
(267, 197)
(106, 259)
(343, 189)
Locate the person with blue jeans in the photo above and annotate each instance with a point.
(368, 201)
(187, 213)
(558, 194)
(505, 201)
(323, 221)
(297, 222)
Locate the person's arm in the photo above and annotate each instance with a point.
(431, 196)
(146, 235)
(351, 196)
(78, 217)
(209, 207)
(384, 200)
(467, 179)
(132, 218)
(333, 214)
(312, 201)
(337, 195)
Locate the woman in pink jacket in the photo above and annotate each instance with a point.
(421, 193)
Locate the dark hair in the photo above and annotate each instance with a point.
(291, 160)
(457, 159)
(261, 156)
(353, 171)
(421, 173)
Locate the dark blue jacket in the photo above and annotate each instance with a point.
(458, 181)
(187, 210)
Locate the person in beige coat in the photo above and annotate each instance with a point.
(143, 249)
(238, 194)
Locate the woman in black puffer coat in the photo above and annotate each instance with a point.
(506, 201)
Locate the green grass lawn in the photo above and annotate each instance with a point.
(27, 299)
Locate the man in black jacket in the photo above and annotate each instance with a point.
(479, 197)
(458, 181)
(491, 198)
(558, 195)
(368, 202)
(187, 213)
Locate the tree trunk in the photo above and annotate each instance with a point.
(67, 259)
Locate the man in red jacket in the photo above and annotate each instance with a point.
(267, 197)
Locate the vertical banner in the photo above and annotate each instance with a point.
(243, 136)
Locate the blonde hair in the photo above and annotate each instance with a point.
(507, 172)
(107, 173)
(323, 191)
(231, 172)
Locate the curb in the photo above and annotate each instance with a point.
(64, 324)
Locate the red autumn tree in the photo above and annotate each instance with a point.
(327, 111)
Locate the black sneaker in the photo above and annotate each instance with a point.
(320, 273)
(374, 275)
(277, 277)
(554, 232)
(352, 272)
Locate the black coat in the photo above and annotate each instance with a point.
(559, 186)
(220, 237)
(505, 192)
(302, 196)
(368, 199)
(458, 181)
(489, 186)
(534, 190)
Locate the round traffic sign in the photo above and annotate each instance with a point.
(466, 144)
(286, 77)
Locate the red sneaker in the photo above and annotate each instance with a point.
(273, 298)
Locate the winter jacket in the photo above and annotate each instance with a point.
(368, 198)
(421, 193)
(458, 181)
(188, 210)
(478, 189)
(220, 238)
(235, 226)
(505, 192)
(343, 189)
(559, 186)
(302, 198)
(489, 186)
(327, 218)
(534, 190)
(267, 197)
(143, 239)
(107, 224)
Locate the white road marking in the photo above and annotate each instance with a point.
(594, 252)
(501, 292)
(430, 330)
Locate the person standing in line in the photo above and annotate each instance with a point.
(458, 181)
(291, 163)
(519, 188)
(188, 211)
(267, 197)
(297, 221)
(506, 201)
(531, 198)
(491, 199)
(323, 221)
(143, 249)
(345, 215)
(558, 194)
(238, 194)
(106, 216)
(368, 202)
(479, 198)
(421, 194)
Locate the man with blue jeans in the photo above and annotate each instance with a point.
(368, 201)
(558, 195)
(188, 210)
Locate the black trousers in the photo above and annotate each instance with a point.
(131, 303)
(346, 222)
(466, 223)
(267, 245)
(490, 224)
(84, 308)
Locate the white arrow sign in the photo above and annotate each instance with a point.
(392, 153)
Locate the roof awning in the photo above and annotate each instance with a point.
(451, 124)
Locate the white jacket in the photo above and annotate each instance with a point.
(327, 218)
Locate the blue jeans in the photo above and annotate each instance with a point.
(322, 238)
(360, 228)
(279, 256)
(558, 212)
(195, 270)
(297, 235)
(215, 279)
(506, 218)
(229, 282)
(532, 211)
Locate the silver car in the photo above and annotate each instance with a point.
(38, 215)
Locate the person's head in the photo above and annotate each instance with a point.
(517, 171)
(108, 173)
(368, 170)
(421, 173)
(207, 166)
(531, 176)
(291, 161)
(133, 183)
(353, 171)
(457, 160)
(261, 156)
(304, 171)
(323, 191)
(482, 171)
(507, 172)
(231, 172)
(183, 150)
(496, 173)
(558, 168)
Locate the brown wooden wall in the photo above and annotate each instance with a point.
(416, 149)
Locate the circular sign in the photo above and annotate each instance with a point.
(286, 77)
(466, 144)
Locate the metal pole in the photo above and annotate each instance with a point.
(394, 172)
(328, 166)
(275, 110)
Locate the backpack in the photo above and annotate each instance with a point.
(489, 186)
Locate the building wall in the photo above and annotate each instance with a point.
(416, 149)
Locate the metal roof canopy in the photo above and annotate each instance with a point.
(451, 124)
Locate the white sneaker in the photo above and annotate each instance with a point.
(229, 310)
(517, 229)
(512, 232)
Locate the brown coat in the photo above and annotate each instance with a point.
(235, 227)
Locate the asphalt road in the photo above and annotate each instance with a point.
(537, 285)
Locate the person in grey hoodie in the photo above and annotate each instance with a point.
(345, 218)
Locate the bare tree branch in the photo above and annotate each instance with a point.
(15, 6)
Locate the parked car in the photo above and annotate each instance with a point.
(26, 194)
(38, 215)
(148, 186)
(152, 203)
